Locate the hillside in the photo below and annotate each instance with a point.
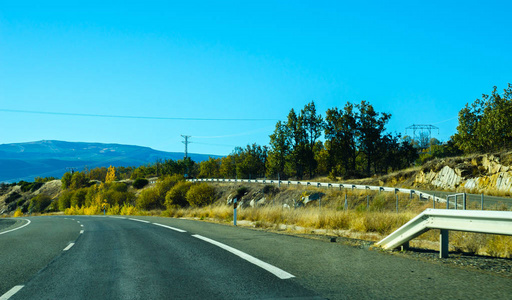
(25, 161)
(490, 174)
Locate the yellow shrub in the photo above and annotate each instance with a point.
(128, 210)
(114, 210)
(92, 210)
(18, 213)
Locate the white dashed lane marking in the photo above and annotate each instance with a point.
(266, 266)
(169, 227)
(68, 247)
(11, 292)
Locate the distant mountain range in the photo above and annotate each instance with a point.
(25, 161)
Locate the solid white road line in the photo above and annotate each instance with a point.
(169, 227)
(118, 217)
(17, 228)
(68, 247)
(270, 268)
(143, 221)
(11, 292)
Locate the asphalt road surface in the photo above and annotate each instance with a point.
(84, 257)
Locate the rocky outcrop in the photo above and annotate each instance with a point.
(480, 173)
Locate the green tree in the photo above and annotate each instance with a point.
(279, 150)
(210, 168)
(228, 167)
(66, 180)
(341, 132)
(65, 200)
(250, 161)
(78, 180)
(313, 125)
(371, 128)
(78, 197)
(485, 125)
(297, 157)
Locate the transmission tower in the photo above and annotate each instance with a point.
(422, 128)
(186, 142)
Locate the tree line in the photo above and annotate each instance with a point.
(486, 124)
(355, 144)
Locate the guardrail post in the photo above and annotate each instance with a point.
(464, 201)
(444, 243)
(448, 202)
(482, 200)
(396, 195)
(410, 196)
(434, 200)
(367, 202)
(405, 246)
(346, 202)
(455, 201)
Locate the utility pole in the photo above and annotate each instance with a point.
(185, 160)
(71, 169)
(186, 142)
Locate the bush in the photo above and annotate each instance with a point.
(78, 198)
(65, 200)
(270, 189)
(118, 187)
(200, 194)
(13, 196)
(140, 183)
(166, 183)
(148, 199)
(18, 213)
(177, 196)
(117, 198)
(241, 191)
(39, 203)
(30, 186)
(128, 210)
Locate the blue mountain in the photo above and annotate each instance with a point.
(25, 161)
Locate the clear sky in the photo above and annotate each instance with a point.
(421, 61)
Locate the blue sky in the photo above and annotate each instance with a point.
(421, 61)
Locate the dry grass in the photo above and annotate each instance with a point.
(370, 220)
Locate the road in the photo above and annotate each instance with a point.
(84, 257)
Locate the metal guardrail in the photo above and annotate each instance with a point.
(421, 195)
(490, 222)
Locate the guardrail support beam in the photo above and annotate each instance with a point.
(443, 243)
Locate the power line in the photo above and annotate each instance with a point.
(126, 117)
